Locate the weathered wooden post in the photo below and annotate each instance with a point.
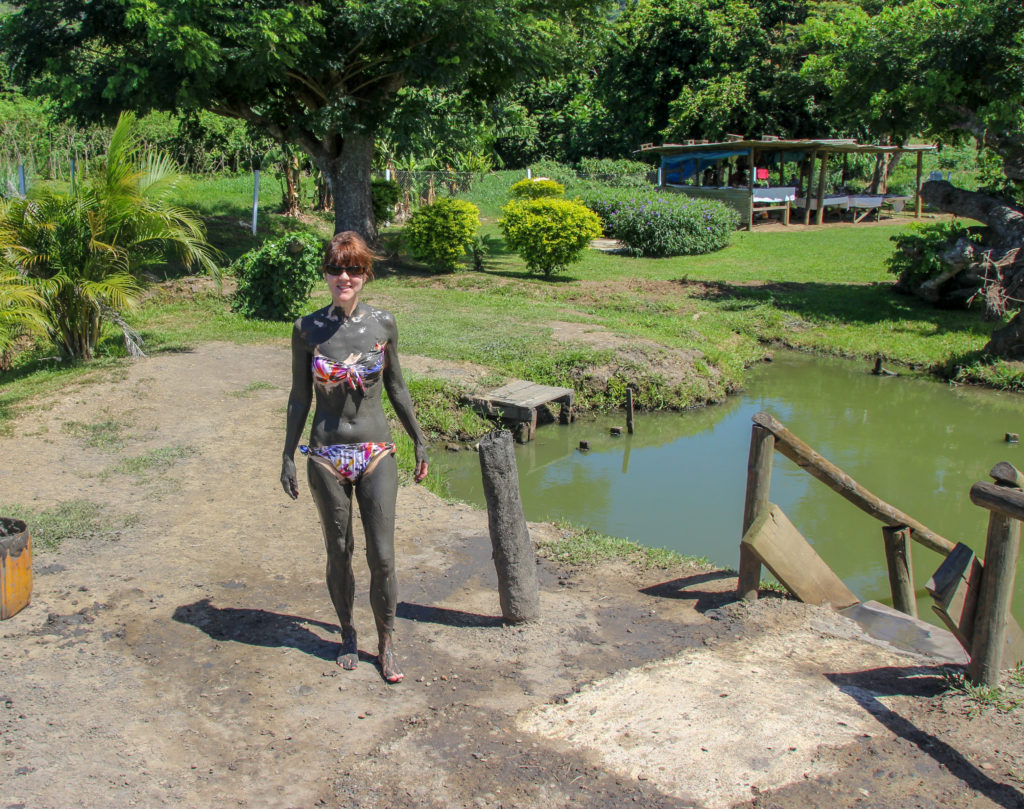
(759, 479)
(629, 410)
(901, 568)
(819, 215)
(514, 558)
(1002, 546)
(807, 189)
(917, 186)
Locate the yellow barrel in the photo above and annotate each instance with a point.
(15, 567)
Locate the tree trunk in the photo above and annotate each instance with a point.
(1005, 219)
(348, 176)
(290, 201)
(324, 200)
(1009, 340)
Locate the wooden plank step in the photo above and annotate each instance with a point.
(783, 550)
(518, 401)
(528, 394)
(954, 588)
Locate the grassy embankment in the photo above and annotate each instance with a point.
(823, 290)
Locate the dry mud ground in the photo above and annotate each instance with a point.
(185, 659)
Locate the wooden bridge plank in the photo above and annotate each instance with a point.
(783, 550)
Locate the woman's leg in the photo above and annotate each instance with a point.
(334, 503)
(377, 493)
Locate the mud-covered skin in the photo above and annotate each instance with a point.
(351, 413)
(343, 414)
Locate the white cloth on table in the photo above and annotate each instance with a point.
(782, 193)
(830, 201)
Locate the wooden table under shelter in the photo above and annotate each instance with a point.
(739, 172)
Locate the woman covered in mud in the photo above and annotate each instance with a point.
(346, 354)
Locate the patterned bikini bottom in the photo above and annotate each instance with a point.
(349, 462)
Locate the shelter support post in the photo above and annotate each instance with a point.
(759, 479)
(917, 186)
(807, 189)
(822, 174)
(751, 171)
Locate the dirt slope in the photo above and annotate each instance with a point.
(185, 658)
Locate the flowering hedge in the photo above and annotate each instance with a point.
(659, 223)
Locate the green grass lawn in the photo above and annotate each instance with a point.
(823, 290)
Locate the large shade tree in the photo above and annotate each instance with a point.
(321, 74)
(950, 70)
(703, 68)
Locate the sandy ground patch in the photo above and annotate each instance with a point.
(186, 657)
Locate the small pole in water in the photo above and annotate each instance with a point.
(629, 410)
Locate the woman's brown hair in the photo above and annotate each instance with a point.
(348, 249)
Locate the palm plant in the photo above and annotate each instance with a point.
(86, 252)
(21, 312)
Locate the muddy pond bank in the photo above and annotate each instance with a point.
(182, 655)
(680, 479)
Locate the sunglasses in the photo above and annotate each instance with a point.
(334, 269)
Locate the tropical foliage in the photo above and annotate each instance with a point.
(536, 188)
(656, 224)
(86, 252)
(323, 75)
(951, 70)
(21, 312)
(440, 233)
(275, 279)
(548, 233)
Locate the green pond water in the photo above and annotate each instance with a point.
(678, 482)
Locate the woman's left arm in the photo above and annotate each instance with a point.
(398, 393)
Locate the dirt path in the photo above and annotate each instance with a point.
(186, 659)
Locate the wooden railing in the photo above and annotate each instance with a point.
(991, 618)
(769, 434)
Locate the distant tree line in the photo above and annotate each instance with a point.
(459, 85)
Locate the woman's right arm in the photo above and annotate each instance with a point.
(299, 400)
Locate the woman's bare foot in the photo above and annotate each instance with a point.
(388, 662)
(348, 656)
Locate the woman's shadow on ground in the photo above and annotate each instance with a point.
(262, 628)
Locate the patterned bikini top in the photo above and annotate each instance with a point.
(354, 370)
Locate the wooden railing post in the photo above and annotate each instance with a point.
(901, 568)
(759, 479)
(995, 596)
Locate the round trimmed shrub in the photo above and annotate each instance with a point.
(656, 223)
(548, 233)
(535, 189)
(275, 279)
(440, 233)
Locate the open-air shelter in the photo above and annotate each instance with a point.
(773, 174)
